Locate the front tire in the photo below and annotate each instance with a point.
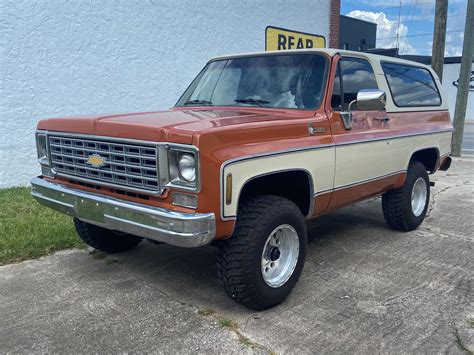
(105, 240)
(262, 261)
(405, 208)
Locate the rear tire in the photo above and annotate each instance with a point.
(105, 240)
(405, 208)
(262, 261)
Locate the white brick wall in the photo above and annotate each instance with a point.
(84, 57)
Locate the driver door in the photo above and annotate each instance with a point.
(363, 157)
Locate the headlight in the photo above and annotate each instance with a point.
(187, 167)
(41, 148)
(183, 167)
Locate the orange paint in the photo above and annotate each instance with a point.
(224, 133)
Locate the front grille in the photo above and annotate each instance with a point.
(133, 165)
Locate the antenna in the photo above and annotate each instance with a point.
(398, 26)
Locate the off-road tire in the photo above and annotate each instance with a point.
(239, 258)
(105, 240)
(396, 204)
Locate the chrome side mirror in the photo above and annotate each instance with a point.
(367, 100)
(371, 100)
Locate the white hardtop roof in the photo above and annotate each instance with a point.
(329, 51)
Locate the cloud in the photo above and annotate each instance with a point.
(386, 30)
(453, 47)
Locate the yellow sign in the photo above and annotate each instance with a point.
(277, 39)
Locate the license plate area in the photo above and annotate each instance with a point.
(89, 210)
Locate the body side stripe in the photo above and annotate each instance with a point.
(318, 147)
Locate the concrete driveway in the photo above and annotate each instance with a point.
(364, 289)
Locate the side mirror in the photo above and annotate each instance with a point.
(367, 100)
(371, 100)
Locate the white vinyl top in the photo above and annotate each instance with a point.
(329, 51)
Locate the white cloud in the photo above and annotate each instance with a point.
(386, 30)
(453, 47)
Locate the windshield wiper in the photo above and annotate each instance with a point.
(252, 102)
(198, 102)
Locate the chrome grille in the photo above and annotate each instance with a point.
(133, 165)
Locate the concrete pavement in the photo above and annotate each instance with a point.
(364, 289)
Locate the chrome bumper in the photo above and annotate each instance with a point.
(176, 228)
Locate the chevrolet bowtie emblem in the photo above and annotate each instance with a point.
(96, 160)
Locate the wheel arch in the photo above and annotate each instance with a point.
(429, 157)
(281, 183)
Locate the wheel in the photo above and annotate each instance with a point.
(105, 240)
(262, 261)
(405, 208)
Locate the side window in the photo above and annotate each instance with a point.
(411, 86)
(336, 99)
(357, 74)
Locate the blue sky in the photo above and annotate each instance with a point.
(416, 23)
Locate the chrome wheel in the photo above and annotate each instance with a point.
(418, 197)
(280, 255)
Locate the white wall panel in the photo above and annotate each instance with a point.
(84, 57)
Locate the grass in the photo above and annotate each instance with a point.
(245, 341)
(206, 312)
(29, 230)
(226, 323)
(460, 343)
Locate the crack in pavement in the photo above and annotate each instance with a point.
(195, 309)
(433, 198)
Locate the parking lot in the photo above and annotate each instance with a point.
(364, 289)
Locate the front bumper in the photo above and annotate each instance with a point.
(176, 228)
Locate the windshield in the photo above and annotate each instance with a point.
(288, 81)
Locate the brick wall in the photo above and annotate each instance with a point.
(334, 23)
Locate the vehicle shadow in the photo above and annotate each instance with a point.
(189, 275)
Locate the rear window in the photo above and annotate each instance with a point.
(411, 86)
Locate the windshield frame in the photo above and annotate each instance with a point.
(324, 87)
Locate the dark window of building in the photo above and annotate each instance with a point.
(411, 86)
(357, 74)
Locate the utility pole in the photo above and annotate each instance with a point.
(464, 81)
(439, 37)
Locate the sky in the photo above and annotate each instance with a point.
(414, 20)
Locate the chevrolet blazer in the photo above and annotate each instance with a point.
(256, 145)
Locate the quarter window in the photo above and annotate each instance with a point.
(411, 86)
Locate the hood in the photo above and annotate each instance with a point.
(175, 125)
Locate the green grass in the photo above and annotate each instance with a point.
(206, 312)
(226, 323)
(29, 230)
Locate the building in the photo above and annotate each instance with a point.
(90, 57)
(356, 35)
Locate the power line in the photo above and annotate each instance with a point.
(418, 35)
(430, 18)
(397, 7)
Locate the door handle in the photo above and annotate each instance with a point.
(383, 119)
